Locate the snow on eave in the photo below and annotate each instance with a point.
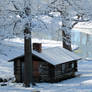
(15, 58)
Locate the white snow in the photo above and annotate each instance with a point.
(82, 83)
(85, 27)
(12, 48)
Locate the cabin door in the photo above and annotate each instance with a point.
(36, 73)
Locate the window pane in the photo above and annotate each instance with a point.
(63, 68)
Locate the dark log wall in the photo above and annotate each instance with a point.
(44, 71)
(40, 70)
(65, 70)
(18, 70)
(58, 71)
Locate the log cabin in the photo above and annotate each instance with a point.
(49, 65)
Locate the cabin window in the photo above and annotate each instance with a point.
(63, 68)
(40, 68)
(22, 71)
(72, 65)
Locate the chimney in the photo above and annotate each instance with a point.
(37, 47)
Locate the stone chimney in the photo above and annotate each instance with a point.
(37, 47)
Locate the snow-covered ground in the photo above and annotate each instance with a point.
(82, 83)
(14, 47)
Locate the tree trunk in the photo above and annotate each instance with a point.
(66, 40)
(66, 26)
(27, 59)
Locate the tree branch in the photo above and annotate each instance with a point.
(14, 5)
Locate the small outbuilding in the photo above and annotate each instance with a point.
(49, 65)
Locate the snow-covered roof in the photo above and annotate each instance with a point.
(56, 55)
